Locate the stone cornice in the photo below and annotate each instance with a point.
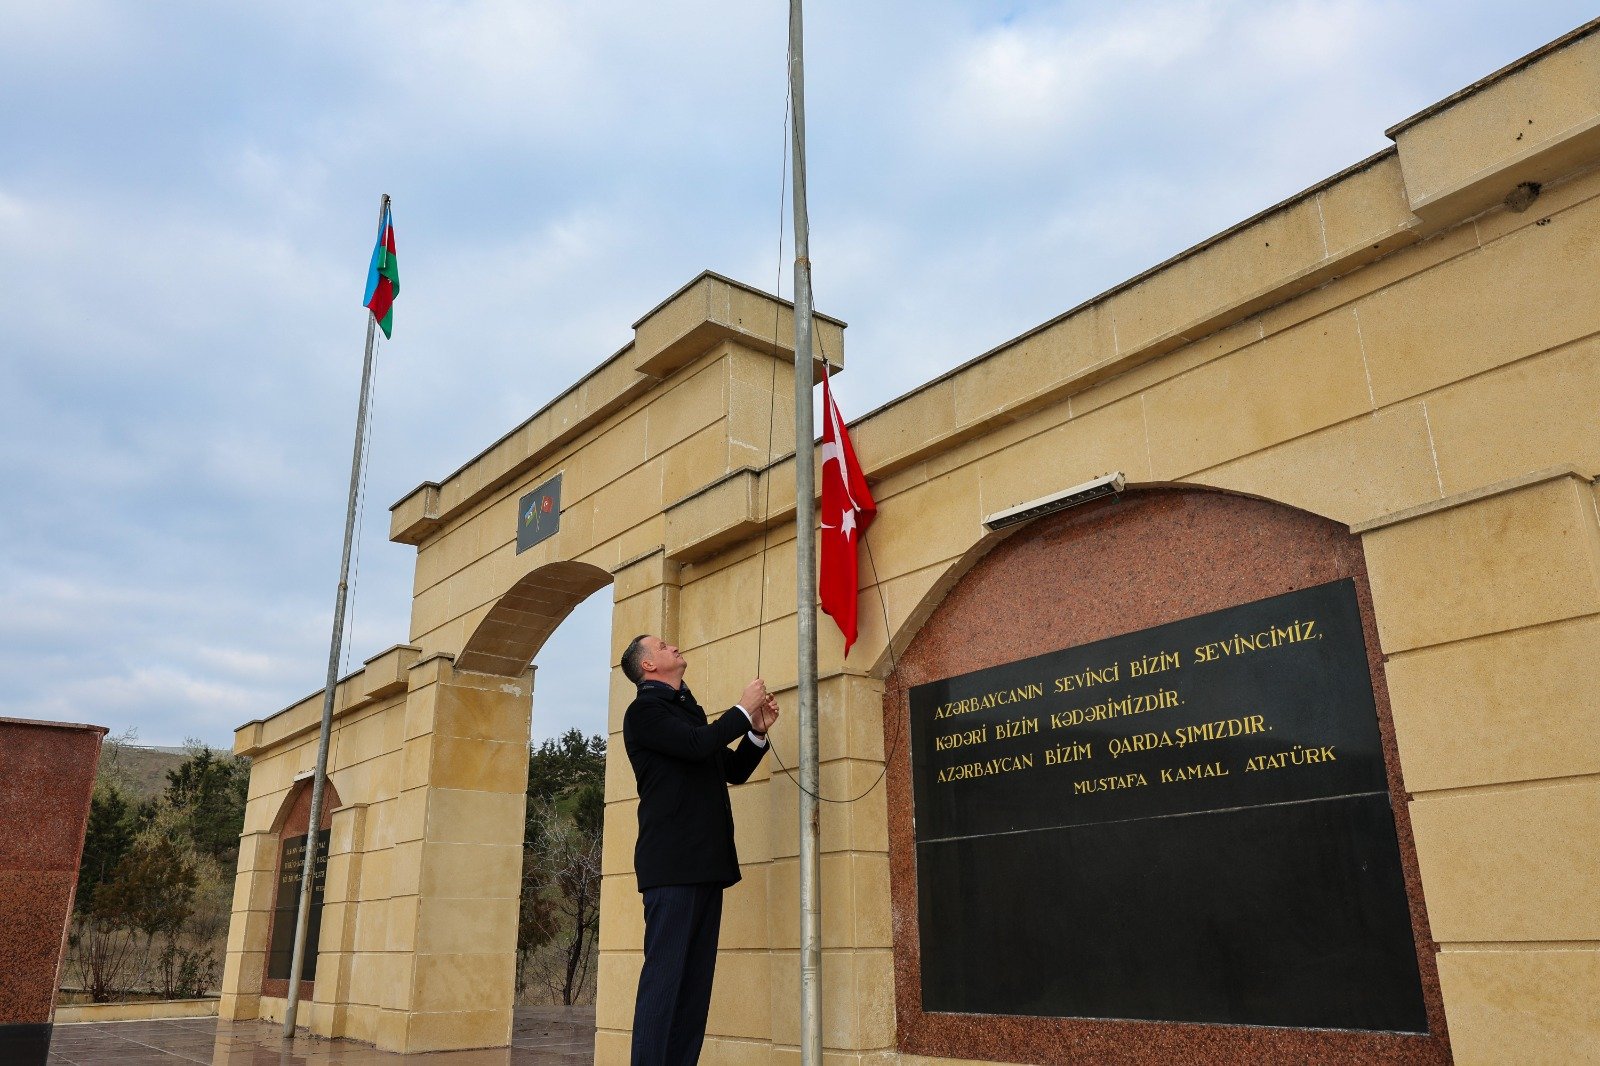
(707, 311)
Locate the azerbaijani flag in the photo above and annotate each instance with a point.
(383, 276)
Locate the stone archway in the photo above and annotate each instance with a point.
(505, 644)
(519, 623)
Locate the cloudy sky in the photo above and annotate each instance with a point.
(187, 202)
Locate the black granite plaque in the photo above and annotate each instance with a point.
(290, 867)
(1188, 823)
(25, 1043)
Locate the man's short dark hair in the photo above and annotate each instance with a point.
(632, 658)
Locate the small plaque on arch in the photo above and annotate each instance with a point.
(539, 514)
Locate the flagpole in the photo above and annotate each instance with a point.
(805, 518)
(320, 777)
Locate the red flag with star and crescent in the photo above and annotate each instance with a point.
(847, 511)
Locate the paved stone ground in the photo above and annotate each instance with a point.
(540, 1036)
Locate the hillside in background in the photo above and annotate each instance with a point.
(141, 773)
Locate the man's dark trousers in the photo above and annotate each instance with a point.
(681, 923)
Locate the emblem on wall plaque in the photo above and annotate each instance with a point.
(1188, 823)
(538, 514)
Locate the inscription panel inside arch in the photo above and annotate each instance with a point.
(1186, 823)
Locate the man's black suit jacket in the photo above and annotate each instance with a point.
(683, 767)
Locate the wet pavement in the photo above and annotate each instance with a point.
(540, 1036)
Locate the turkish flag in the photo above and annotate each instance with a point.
(847, 511)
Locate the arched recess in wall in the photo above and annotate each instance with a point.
(293, 820)
(1158, 555)
(1107, 520)
(294, 815)
(519, 623)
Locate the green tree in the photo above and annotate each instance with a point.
(536, 915)
(158, 870)
(113, 825)
(567, 856)
(562, 766)
(149, 892)
(560, 916)
(207, 792)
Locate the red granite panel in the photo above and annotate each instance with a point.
(1114, 567)
(33, 910)
(46, 778)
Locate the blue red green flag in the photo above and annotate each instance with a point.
(383, 276)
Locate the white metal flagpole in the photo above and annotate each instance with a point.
(805, 519)
(309, 864)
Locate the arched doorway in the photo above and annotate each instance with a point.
(520, 621)
(557, 931)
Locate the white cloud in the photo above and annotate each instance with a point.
(149, 690)
(1038, 77)
(186, 208)
(13, 214)
(1300, 37)
(239, 663)
(489, 62)
(42, 36)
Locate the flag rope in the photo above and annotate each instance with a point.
(361, 504)
(772, 390)
(883, 606)
(361, 523)
(766, 513)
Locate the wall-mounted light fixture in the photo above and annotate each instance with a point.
(1109, 485)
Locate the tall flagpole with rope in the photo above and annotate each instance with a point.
(805, 520)
(383, 284)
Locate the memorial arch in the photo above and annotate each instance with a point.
(1403, 358)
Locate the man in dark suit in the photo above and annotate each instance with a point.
(685, 855)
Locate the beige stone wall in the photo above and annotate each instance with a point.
(95, 1013)
(366, 761)
(425, 855)
(1393, 349)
